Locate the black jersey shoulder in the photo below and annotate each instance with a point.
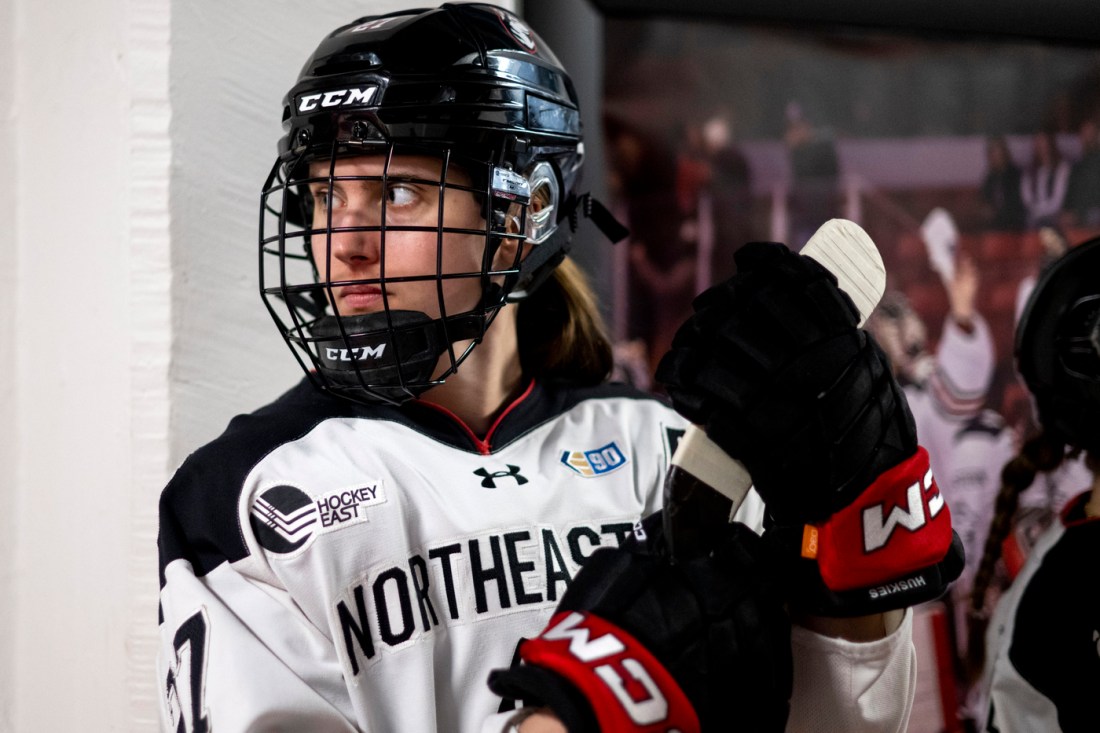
(1056, 639)
(198, 508)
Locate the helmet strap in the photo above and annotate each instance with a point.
(548, 255)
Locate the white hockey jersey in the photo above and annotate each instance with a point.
(333, 567)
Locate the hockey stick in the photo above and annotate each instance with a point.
(704, 486)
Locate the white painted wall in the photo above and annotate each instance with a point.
(80, 555)
(139, 133)
(8, 435)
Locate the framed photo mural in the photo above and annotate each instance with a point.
(968, 149)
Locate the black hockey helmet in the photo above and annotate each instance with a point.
(470, 85)
(1058, 346)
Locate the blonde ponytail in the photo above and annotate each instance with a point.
(562, 336)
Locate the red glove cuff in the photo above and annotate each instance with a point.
(629, 690)
(898, 525)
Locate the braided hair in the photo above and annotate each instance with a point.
(1042, 453)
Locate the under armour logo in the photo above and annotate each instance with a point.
(487, 478)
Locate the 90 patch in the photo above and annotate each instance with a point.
(596, 462)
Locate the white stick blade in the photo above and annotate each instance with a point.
(845, 250)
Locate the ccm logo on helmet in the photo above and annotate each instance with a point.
(337, 98)
(356, 354)
(877, 528)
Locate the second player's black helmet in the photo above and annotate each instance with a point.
(470, 84)
(1058, 346)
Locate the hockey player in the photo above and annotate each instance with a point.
(361, 553)
(1042, 667)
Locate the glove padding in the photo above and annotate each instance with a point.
(773, 366)
(708, 636)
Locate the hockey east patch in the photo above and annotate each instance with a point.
(285, 518)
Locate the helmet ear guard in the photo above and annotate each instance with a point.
(545, 195)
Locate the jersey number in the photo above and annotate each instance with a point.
(187, 674)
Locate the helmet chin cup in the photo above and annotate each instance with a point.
(382, 357)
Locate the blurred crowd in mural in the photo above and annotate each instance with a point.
(972, 163)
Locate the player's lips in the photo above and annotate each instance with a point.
(359, 298)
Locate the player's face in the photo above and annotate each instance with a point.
(411, 198)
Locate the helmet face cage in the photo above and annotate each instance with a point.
(389, 355)
(469, 86)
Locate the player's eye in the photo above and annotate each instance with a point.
(323, 198)
(400, 194)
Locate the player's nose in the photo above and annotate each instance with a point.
(355, 236)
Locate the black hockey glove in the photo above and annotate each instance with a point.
(773, 366)
(641, 644)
